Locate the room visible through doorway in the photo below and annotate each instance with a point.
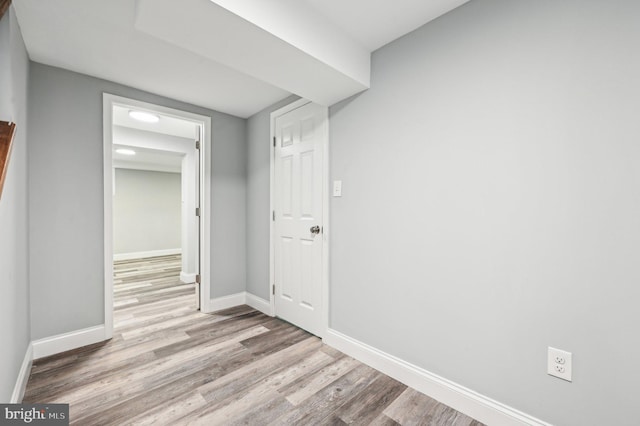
(153, 214)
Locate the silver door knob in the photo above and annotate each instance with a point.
(315, 229)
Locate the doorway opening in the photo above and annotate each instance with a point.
(156, 199)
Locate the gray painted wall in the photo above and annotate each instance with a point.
(491, 196)
(228, 245)
(66, 198)
(14, 276)
(146, 211)
(258, 204)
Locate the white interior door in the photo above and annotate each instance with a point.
(298, 198)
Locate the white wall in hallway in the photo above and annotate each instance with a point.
(146, 211)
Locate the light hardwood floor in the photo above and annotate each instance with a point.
(171, 365)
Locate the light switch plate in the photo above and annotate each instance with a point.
(337, 188)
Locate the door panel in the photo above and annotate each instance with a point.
(306, 272)
(286, 272)
(298, 207)
(287, 186)
(307, 189)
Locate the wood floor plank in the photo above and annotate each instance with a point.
(318, 381)
(162, 369)
(410, 408)
(241, 396)
(383, 420)
(168, 364)
(102, 364)
(261, 366)
(365, 407)
(119, 414)
(322, 404)
(263, 413)
(444, 415)
(171, 411)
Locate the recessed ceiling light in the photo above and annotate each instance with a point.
(146, 117)
(125, 151)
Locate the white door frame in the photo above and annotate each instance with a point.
(325, 213)
(108, 102)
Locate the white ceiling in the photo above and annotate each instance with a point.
(98, 38)
(275, 41)
(376, 23)
(148, 159)
(251, 61)
(167, 125)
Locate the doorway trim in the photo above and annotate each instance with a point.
(325, 212)
(108, 102)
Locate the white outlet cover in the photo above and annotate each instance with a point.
(552, 363)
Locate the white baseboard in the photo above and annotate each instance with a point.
(259, 304)
(187, 278)
(143, 254)
(67, 341)
(473, 404)
(242, 298)
(226, 302)
(23, 376)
